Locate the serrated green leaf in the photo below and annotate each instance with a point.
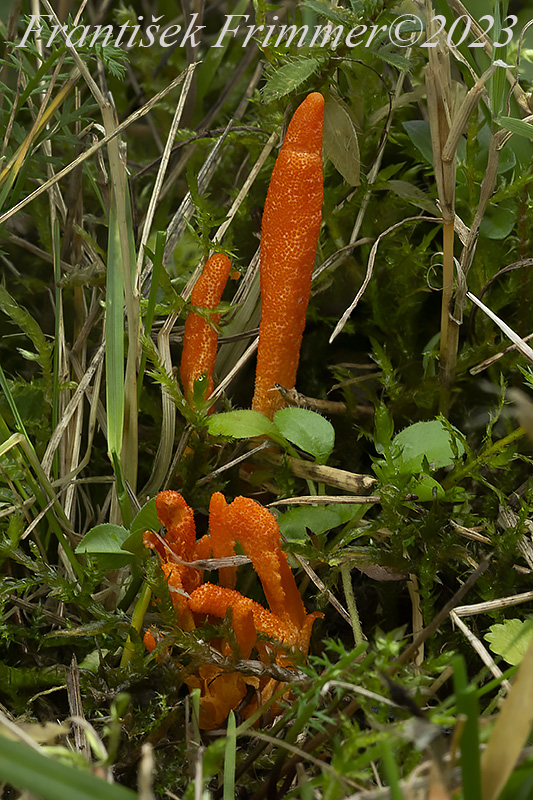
(288, 78)
(384, 425)
(511, 639)
(307, 430)
(243, 424)
(340, 141)
(429, 440)
(324, 11)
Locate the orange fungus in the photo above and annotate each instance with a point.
(289, 237)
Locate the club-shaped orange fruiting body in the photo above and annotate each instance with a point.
(289, 237)
(200, 341)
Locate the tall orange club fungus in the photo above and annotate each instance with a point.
(289, 237)
(200, 340)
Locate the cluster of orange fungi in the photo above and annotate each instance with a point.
(287, 623)
(290, 230)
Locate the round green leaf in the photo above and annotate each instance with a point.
(429, 440)
(499, 222)
(307, 430)
(294, 523)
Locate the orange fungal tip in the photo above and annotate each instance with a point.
(304, 132)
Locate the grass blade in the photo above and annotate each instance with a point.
(229, 758)
(45, 777)
(114, 340)
(467, 705)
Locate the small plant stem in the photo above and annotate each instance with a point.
(121, 490)
(350, 602)
(136, 622)
(449, 330)
(311, 487)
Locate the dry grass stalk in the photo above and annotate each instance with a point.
(447, 125)
(510, 732)
(439, 101)
(340, 478)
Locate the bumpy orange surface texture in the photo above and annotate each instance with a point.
(287, 623)
(200, 339)
(290, 230)
(180, 542)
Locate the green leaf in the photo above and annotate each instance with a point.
(288, 78)
(340, 141)
(394, 59)
(104, 542)
(420, 135)
(21, 317)
(307, 430)
(145, 520)
(319, 519)
(114, 337)
(384, 425)
(243, 424)
(415, 195)
(429, 440)
(48, 778)
(424, 487)
(499, 221)
(325, 11)
(516, 126)
(511, 639)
